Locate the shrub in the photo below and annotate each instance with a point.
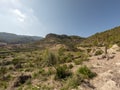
(50, 71)
(98, 52)
(78, 61)
(86, 73)
(69, 58)
(50, 59)
(62, 72)
(41, 71)
(3, 70)
(17, 62)
(89, 50)
(61, 51)
(70, 66)
(81, 59)
(65, 58)
(72, 82)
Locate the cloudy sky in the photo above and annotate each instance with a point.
(72, 17)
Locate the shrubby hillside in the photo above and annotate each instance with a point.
(111, 36)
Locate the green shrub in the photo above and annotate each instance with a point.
(61, 59)
(61, 51)
(62, 72)
(50, 71)
(71, 66)
(65, 58)
(72, 82)
(78, 61)
(41, 71)
(17, 62)
(86, 73)
(89, 50)
(3, 70)
(49, 58)
(98, 52)
(69, 58)
(82, 57)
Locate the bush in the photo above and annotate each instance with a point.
(89, 50)
(61, 51)
(78, 61)
(62, 72)
(70, 66)
(98, 52)
(17, 62)
(3, 70)
(72, 82)
(86, 73)
(50, 59)
(69, 58)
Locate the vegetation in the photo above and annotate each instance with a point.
(107, 37)
(98, 52)
(49, 58)
(72, 82)
(86, 73)
(56, 60)
(62, 72)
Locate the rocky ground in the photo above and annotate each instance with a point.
(108, 71)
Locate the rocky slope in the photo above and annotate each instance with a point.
(108, 77)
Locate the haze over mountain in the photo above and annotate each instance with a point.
(16, 39)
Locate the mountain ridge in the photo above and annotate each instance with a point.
(11, 38)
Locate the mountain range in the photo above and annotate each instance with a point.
(17, 39)
(111, 36)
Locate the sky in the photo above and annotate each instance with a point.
(71, 17)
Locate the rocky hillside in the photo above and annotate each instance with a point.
(54, 39)
(15, 39)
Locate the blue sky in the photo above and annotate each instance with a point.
(72, 17)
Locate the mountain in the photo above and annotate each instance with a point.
(16, 39)
(53, 39)
(109, 37)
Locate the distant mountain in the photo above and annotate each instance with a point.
(109, 37)
(16, 39)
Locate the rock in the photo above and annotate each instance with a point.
(114, 48)
(109, 85)
(101, 57)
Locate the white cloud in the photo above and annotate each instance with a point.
(19, 15)
(21, 18)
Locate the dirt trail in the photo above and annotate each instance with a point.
(108, 73)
